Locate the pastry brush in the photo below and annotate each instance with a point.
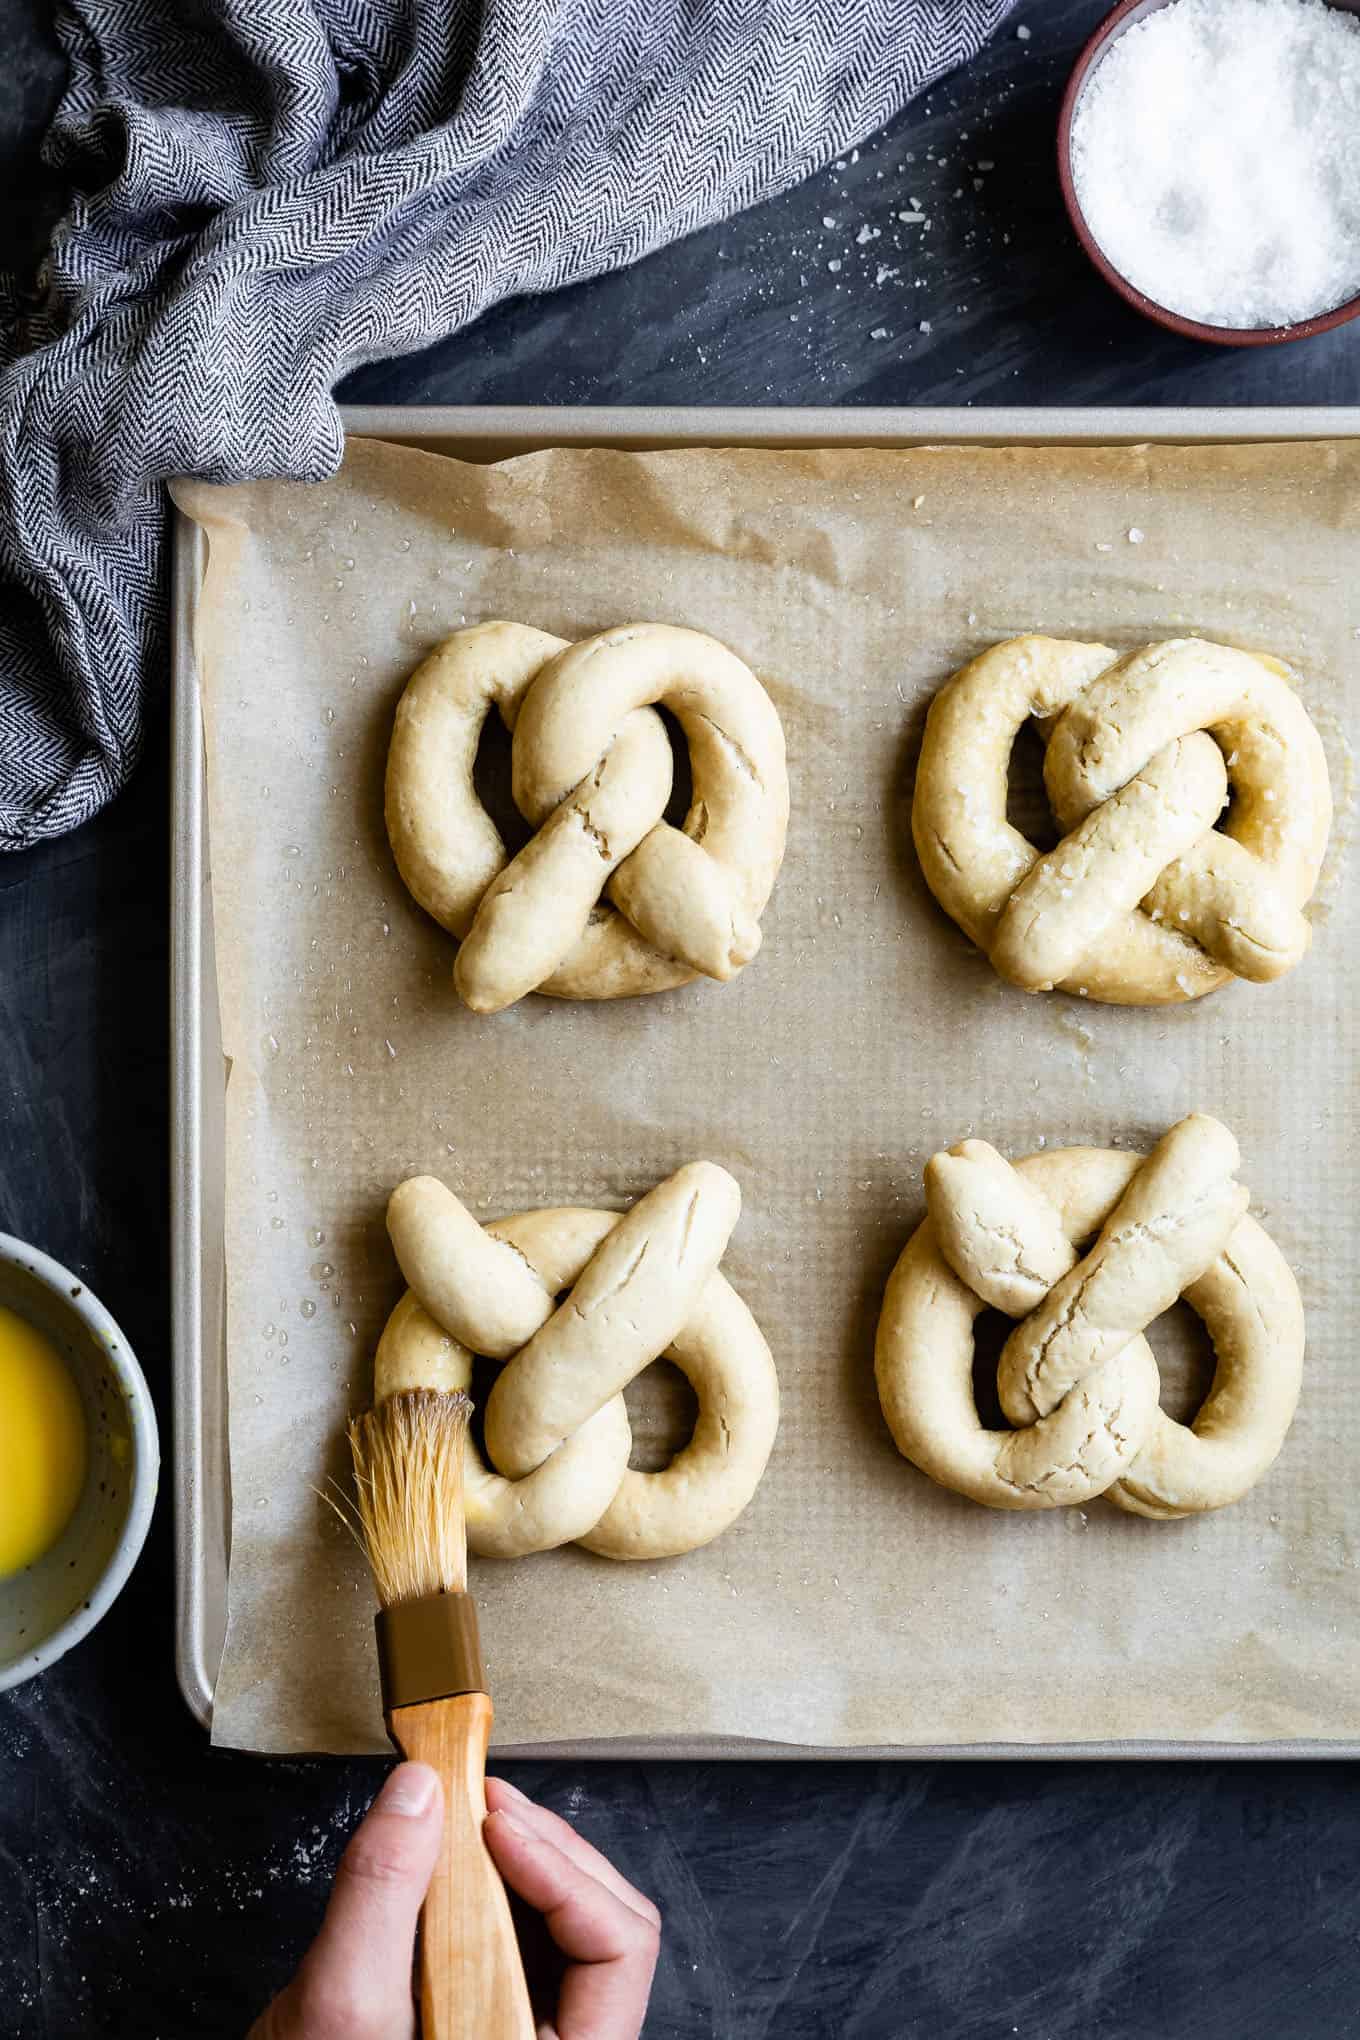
(408, 1469)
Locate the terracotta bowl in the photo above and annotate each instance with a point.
(1124, 17)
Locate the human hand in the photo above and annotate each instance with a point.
(355, 1981)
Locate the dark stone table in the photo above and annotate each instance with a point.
(151, 1887)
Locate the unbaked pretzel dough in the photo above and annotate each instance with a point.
(592, 773)
(1076, 1375)
(640, 1286)
(1145, 901)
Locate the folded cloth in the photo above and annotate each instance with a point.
(266, 193)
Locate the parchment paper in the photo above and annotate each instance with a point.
(854, 1603)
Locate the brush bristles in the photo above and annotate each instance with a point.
(408, 1476)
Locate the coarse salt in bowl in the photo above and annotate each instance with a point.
(1209, 161)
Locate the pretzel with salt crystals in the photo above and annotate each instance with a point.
(1076, 1375)
(639, 1286)
(592, 771)
(1144, 901)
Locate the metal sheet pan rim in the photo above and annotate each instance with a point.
(201, 1471)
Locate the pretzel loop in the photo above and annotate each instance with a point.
(1146, 900)
(591, 772)
(1076, 1376)
(639, 1287)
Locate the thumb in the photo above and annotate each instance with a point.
(356, 1980)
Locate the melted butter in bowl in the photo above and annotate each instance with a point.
(42, 1445)
(78, 1461)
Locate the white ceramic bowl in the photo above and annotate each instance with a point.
(54, 1602)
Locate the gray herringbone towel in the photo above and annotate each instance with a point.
(268, 192)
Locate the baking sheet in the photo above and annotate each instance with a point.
(853, 1604)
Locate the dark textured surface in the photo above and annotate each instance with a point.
(149, 1887)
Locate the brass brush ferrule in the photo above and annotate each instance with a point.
(428, 1650)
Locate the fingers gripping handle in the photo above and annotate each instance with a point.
(471, 1974)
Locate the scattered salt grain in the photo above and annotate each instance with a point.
(1214, 158)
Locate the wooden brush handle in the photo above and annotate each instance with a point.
(471, 1976)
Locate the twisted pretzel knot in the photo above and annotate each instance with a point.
(1076, 1374)
(1144, 902)
(592, 772)
(557, 1431)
